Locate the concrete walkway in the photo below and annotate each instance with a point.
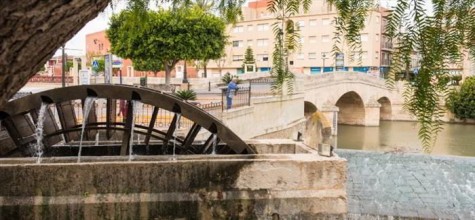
(409, 185)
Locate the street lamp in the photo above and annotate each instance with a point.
(64, 65)
(63, 72)
(324, 57)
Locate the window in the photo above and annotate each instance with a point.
(250, 27)
(262, 42)
(291, 62)
(329, 7)
(312, 22)
(238, 57)
(300, 23)
(249, 42)
(302, 40)
(325, 38)
(262, 27)
(364, 37)
(262, 57)
(300, 56)
(376, 55)
(326, 21)
(237, 43)
(312, 56)
(238, 29)
(312, 39)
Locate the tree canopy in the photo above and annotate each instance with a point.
(152, 65)
(168, 36)
(248, 57)
(286, 35)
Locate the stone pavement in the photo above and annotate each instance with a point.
(409, 185)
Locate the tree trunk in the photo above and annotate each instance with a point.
(30, 33)
(168, 70)
(205, 64)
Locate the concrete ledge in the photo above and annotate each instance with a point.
(190, 187)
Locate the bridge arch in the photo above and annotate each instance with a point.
(385, 111)
(351, 109)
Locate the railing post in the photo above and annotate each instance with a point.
(249, 99)
(222, 100)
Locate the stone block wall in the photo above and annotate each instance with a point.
(298, 186)
(265, 115)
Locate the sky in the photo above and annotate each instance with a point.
(77, 45)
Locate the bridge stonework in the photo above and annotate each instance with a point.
(355, 98)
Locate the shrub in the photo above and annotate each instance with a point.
(186, 94)
(228, 77)
(462, 103)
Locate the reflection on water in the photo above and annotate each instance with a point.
(455, 139)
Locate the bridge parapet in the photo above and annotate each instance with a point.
(327, 79)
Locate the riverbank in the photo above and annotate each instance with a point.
(409, 185)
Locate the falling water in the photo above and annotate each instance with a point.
(88, 103)
(39, 132)
(97, 139)
(178, 117)
(135, 110)
(214, 142)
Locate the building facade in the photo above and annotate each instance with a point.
(317, 32)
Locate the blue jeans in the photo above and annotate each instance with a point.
(229, 102)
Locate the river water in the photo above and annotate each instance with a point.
(455, 139)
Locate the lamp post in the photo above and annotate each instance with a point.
(324, 57)
(63, 72)
(64, 62)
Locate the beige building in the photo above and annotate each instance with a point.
(317, 33)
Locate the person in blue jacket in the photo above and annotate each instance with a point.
(230, 92)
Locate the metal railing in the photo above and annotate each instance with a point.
(241, 97)
(50, 79)
(213, 108)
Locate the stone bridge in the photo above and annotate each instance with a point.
(352, 98)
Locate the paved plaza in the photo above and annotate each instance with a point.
(409, 185)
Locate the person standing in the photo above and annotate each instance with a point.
(230, 92)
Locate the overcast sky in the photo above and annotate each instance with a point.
(78, 43)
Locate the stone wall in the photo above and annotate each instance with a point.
(288, 133)
(265, 115)
(290, 186)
